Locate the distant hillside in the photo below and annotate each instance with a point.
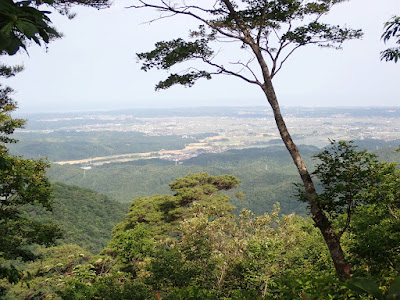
(85, 216)
(267, 175)
(68, 145)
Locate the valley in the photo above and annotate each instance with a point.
(180, 134)
(131, 154)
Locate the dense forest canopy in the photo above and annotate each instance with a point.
(189, 245)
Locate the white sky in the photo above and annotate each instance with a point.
(93, 67)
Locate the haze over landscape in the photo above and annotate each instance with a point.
(94, 66)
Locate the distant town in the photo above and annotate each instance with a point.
(220, 129)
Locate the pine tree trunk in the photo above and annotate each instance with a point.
(319, 217)
(322, 222)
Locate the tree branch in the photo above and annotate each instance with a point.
(168, 8)
(247, 39)
(284, 60)
(223, 70)
(248, 68)
(350, 205)
(260, 30)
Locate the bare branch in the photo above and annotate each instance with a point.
(282, 45)
(269, 52)
(168, 8)
(276, 33)
(284, 60)
(187, 7)
(158, 19)
(223, 70)
(247, 67)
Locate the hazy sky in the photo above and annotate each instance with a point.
(94, 67)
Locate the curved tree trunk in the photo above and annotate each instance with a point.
(322, 222)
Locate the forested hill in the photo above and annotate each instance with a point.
(66, 145)
(267, 175)
(85, 216)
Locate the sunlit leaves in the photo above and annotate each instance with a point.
(344, 174)
(156, 218)
(245, 255)
(361, 195)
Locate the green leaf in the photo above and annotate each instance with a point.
(364, 285)
(27, 28)
(188, 79)
(394, 291)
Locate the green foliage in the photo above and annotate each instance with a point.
(314, 286)
(250, 23)
(188, 79)
(169, 53)
(266, 173)
(245, 257)
(371, 287)
(392, 31)
(315, 31)
(23, 182)
(376, 249)
(361, 196)
(157, 217)
(344, 173)
(72, 145)
(42, 278)
(22, 22)
(106, 288)
(130, 247)
(154, 220)
(188, 245)
(8, 124)
(85, 216)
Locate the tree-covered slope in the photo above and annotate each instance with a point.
(85, 216)
(72, 145)
(267, 175)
